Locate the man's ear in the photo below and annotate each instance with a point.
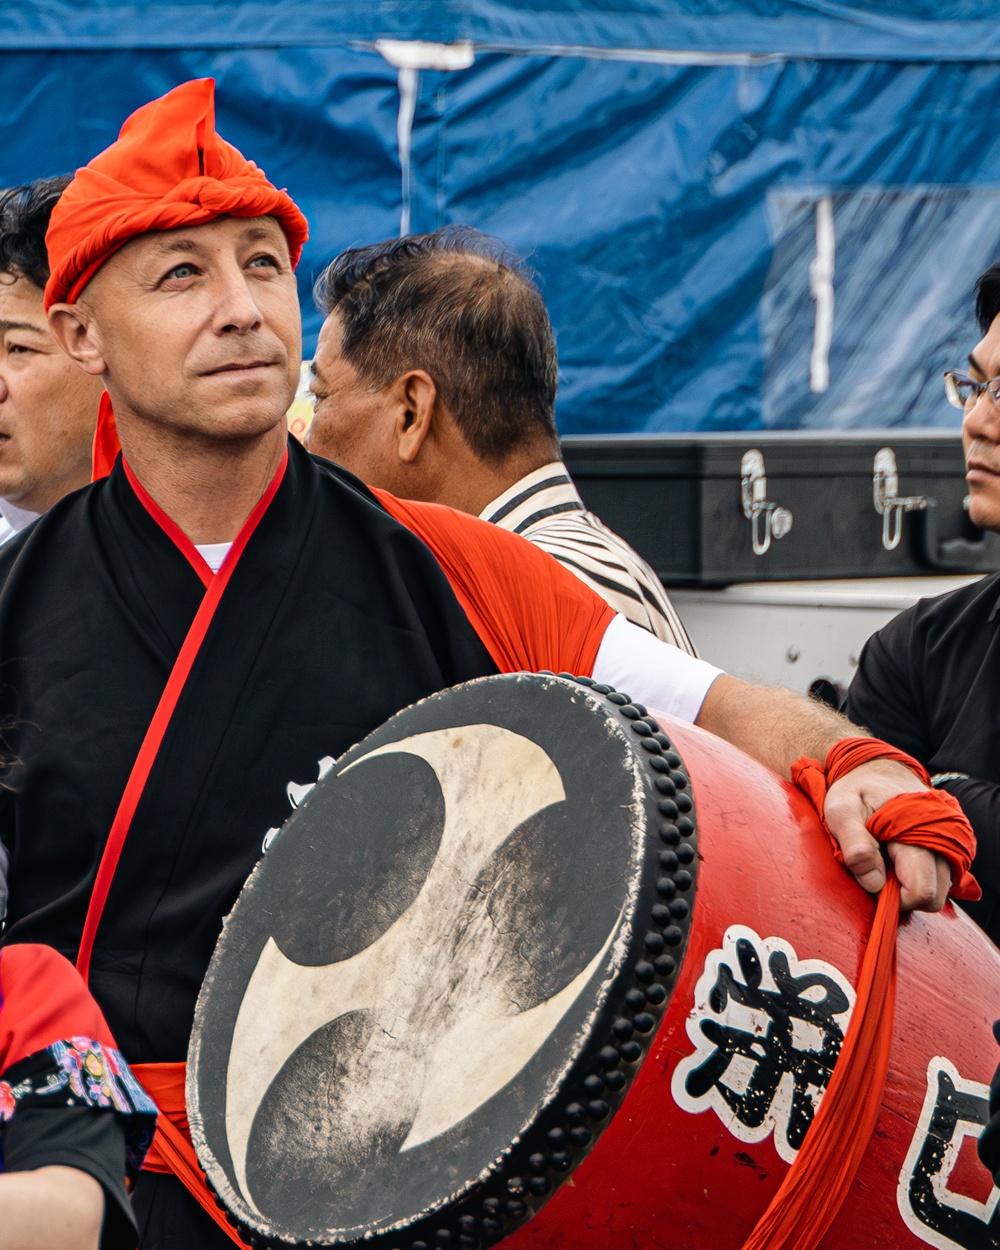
(416, 398)
(75, 332)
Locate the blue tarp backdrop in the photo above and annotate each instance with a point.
(742, 215)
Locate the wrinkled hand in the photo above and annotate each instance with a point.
(924, 877)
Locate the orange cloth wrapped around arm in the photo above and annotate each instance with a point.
(928, 818)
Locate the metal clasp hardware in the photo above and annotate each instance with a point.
(889, 504)
(766, 519)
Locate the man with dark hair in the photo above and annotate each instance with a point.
(435, 378)
(929, 681)
(47, 406)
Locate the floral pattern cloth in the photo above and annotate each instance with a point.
(80, 1072)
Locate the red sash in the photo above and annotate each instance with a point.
(172, 1150)
(144, 761)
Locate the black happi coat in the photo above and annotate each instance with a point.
(335, 618)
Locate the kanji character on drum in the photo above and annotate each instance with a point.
(73, 1118)
(192, 639)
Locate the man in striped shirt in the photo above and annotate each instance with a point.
(439, 367)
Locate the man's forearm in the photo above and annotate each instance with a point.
(53, 1208)
(774, 725)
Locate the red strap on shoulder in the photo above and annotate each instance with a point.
(43, 1000)
(161, 719)
(106, 445)
(170, 527)
(529, 611)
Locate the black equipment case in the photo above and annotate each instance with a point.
(707, 510)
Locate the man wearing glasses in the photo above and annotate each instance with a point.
(929, 681)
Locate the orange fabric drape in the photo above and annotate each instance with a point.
(817, 1183)
(530, 612)
(172, 1151)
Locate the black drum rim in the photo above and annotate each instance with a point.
(514, 1187)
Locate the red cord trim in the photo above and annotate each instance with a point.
(170, 527)
(165, 708)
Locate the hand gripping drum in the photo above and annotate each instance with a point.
(490, 982)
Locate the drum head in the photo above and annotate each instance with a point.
(437, 985)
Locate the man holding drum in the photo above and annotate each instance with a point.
(196, 636)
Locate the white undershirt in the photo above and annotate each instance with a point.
(656, 673)
(14, 519)
(213, 554)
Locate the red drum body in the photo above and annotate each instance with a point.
(695, 1162)
(529, 966)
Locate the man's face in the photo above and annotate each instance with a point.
(981, 436)
(199, 328)
(352, 424)
(48, 407)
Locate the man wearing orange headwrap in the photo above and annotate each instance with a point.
(222, 611)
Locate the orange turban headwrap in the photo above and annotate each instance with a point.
(168, 168)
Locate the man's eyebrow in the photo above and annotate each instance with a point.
(177, 245)
(37, 327)
(259, 232)
(184, 243)
(976, 365)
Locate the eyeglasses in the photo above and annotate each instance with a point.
(961, 390)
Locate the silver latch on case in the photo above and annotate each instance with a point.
(889, 503)
(766, 519)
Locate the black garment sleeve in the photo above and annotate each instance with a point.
(885, 695)
(76, 1137)
(980, 800)
(989, 1138)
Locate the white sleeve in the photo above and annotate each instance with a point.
(656, 673)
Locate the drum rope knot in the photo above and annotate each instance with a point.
(816, 1184)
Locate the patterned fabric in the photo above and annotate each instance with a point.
(80, 1072)
(545, 507)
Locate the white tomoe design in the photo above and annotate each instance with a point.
(470, 1038)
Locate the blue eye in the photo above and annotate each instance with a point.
(181, 271)
(264, 260)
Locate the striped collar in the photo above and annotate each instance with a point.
(543, 493)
